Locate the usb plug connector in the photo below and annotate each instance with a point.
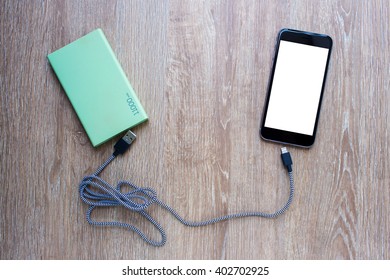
(129, 137)
(124, 143)
(286, 158)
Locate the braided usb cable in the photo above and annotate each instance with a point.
(96, 192)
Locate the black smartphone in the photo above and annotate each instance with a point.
(296, 87)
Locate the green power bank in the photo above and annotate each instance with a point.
(97, 87)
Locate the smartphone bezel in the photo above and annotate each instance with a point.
(287, 137)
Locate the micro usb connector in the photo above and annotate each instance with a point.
(286, 158)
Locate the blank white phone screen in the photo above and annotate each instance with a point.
(296, 87)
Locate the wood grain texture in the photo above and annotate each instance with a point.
(200, 68)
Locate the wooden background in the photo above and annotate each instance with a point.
(200, 69)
